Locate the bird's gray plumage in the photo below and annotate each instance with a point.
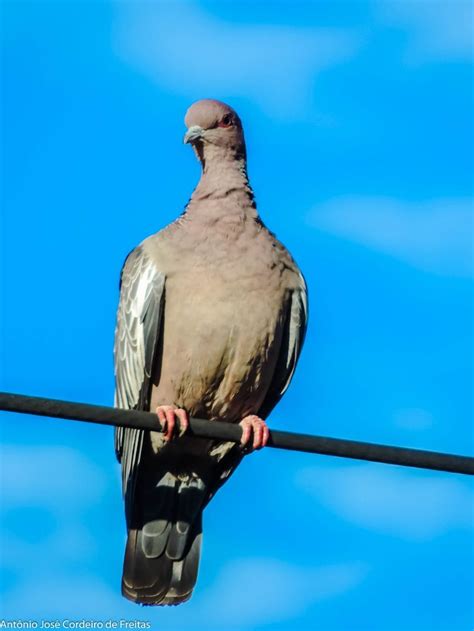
(292, 343)
(211, 318)
(136, 344)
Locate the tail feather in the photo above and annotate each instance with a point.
(185, 571)
(164, 541)
(144, 580)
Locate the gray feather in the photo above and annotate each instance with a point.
(136, 340)
(296, 320)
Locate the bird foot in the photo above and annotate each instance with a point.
(254, 425)
(167, 415)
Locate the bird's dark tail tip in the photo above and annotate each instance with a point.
(162, 559)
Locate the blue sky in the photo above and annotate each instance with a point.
(358, 119)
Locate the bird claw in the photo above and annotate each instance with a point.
(167, 415)
(253, 424)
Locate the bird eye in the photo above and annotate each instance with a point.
(226, 121)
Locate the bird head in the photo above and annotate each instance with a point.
(214, 130)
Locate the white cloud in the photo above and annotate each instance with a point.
(65, 484)
(273, 590)
(436, 29)
(58, 478)
(63, 596)
(435, 235)
(195, 54)
(62, 482)
(270, 591)
(69, 541)
(405, 504)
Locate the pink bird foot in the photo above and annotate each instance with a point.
(167, 417)
(254, 425)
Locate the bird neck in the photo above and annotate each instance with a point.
(223, 180)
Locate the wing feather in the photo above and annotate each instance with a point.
(137, 334)
(292, 343)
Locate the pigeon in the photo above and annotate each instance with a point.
(211, 321)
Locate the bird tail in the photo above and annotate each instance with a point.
(164, 541)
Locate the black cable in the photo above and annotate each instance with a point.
(228, 431)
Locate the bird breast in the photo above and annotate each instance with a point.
(221, 335)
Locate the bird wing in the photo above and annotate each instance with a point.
(296, 319)
(136, 342)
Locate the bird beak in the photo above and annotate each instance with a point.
(194, 133)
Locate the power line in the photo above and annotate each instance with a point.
(227, 431)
